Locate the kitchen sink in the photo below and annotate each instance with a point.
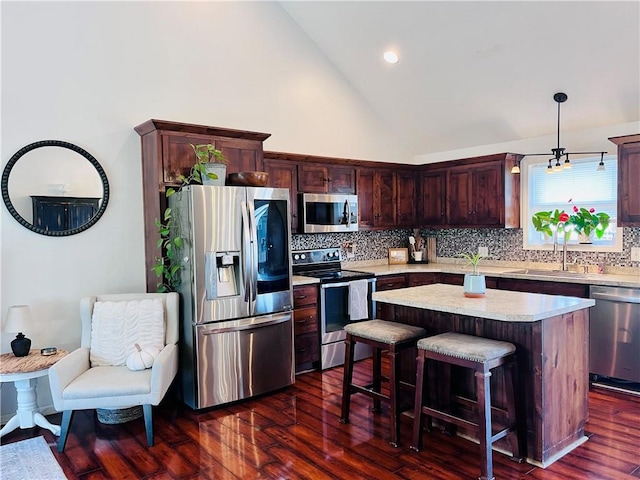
(548, 273)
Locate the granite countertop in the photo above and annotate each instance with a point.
(500, 305)
(606, 279)
(301, 280)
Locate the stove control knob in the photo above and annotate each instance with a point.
(296, 257)
(303, 256)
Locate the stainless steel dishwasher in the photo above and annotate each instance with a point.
(614, 334)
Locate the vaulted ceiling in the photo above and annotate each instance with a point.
(479, 73)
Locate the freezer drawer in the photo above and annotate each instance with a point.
(243, 358)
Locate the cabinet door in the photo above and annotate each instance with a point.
(178, 156)
(285, 175)
(459, 196)
(407, 199)
(628, 191)
(384, 198)
(341, 179)
(433, 194)
(242, 155)
(365, 183)
(487, 194)
(312, 178)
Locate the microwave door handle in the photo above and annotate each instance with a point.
(346, 212)
(246, 267)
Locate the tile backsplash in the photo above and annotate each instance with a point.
(503, 244)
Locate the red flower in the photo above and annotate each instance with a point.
(591, 210)
(564, 216)
(575, 209)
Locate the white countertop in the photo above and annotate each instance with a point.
(501, 305)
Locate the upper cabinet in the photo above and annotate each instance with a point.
(472, 192)
(283, 174)
(628, 179)
(407, 195)
(166, 154)
(376, 198)
(319, 178)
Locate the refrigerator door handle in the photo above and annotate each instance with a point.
(239, 326)
(248, 254)
(254, 253)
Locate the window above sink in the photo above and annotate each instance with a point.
(583, 186)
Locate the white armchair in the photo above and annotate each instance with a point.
(76, 385)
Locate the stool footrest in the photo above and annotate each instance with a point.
(439, 414)
(367, 390)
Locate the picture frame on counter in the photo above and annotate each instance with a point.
(398, 256)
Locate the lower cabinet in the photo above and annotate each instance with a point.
(306, 327)
(384, 311)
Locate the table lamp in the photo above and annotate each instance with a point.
(19, 320)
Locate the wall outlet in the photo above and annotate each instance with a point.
(484, 251)
(635, 254)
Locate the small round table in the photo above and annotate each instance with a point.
(24, 372)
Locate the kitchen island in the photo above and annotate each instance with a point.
(551, 334)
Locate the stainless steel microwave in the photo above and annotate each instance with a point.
(324, 213)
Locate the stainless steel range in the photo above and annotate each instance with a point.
(345, 297)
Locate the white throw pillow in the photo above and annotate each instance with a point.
(117, 326)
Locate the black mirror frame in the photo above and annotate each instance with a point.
(4, 185)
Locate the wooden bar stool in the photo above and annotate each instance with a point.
(380, 335)
(481, 355)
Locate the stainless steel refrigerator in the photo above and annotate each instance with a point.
(236, 289)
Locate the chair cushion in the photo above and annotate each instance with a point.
(385, 332)
(467, 347)
(104, 382)
(117, 326)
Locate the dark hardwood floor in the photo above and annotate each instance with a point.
(295, 434)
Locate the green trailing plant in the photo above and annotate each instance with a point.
(587, 221)
(167, 267)
(473, 259)
(542, 221)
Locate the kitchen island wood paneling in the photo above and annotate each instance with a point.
(551, 336)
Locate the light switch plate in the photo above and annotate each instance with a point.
(635, 254)
(484, 251)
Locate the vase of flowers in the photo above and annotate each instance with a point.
(586, 223)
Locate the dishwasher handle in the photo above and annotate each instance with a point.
(614, 298)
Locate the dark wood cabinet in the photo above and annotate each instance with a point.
(628, 180)
(433, 198)
(550, 288)
(283, 174)
(166, 154)
(318, 178)
(384, 311)
(377, 198)
(306, 327)
(473, 192)
(458, 279)
(407, 199)
(57, 214)
(422, 278)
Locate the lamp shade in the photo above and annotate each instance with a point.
(19, 319)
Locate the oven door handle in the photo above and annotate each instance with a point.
(342, 284)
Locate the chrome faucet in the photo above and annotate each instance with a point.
(564, 250)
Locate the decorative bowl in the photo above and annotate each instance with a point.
(248, 179)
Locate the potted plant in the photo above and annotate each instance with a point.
(214, 171)
(474, 283)
(167, 266)
(587, 222)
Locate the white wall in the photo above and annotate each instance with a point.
(88, 72)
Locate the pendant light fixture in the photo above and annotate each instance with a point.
(559, 152)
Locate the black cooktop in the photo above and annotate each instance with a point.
(324, 264)
(327, 276)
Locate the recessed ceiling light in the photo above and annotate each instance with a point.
(390, 57)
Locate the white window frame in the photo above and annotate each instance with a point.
(526, 213)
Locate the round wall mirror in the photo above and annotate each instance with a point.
(56, 189)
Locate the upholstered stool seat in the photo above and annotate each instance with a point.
(380, 335)
(481, 355)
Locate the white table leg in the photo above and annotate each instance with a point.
(11, 425)
(41, 421)
(27, 415)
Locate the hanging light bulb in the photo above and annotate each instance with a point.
(550, 168)
(557, 167)
(567, 164)
(516, 168)
(601, 164)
